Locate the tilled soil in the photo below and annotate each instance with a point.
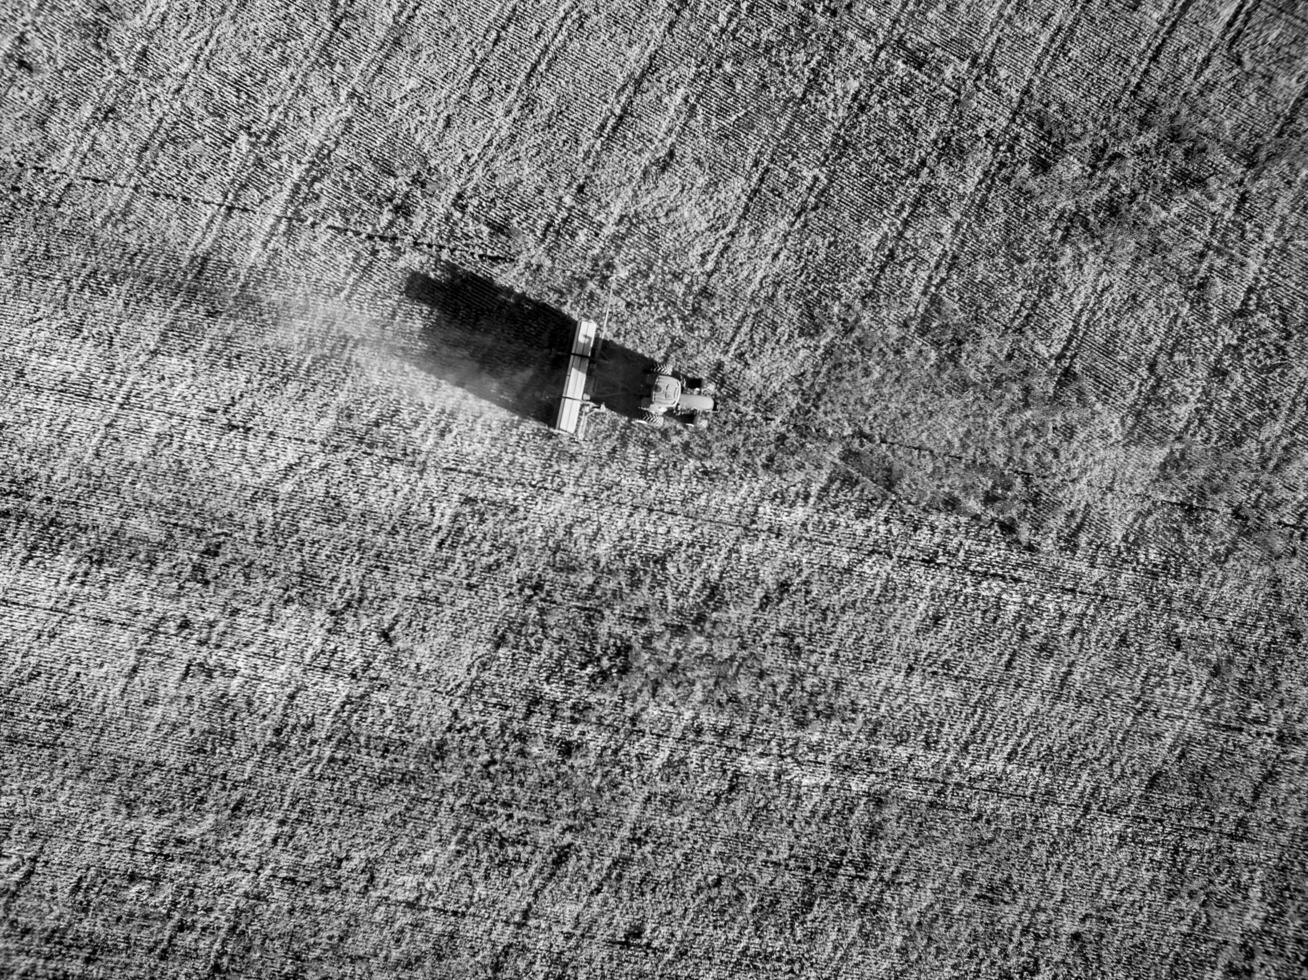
(968, 642)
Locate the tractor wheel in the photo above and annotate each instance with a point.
(700, 421)
(653, 419)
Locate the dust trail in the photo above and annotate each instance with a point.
(399, 353)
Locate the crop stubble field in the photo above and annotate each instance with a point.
(969, 641)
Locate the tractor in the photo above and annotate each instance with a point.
(604, 376)
(673, 394)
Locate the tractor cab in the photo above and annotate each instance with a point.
(674, 394)
(665, 392)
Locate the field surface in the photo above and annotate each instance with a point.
(968, 642)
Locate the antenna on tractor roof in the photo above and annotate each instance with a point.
(608, 302)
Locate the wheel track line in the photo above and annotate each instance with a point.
(815, 189)
(144, 158)
(819, 180)
(472, 912)
(833, 458)
(390, 214)
(764, 747)
(540, 875)
(1212, 383)
(1086, 299)
(679, 942)
(894, 230)
(890, 554)
(233, 208)
(1074, 338)
(924, 449)
(1150, 382)
(619, 106)
(111, 211)
(1229, 33)
(757, 179)
(499, 23)
(397, 303)
(620, 840)
(834, 964)
(1211, 242)
(316, 159)
(932, 559)
(670, 130)
(565, 20)
(24, 26)
(208, 228)
(250, 632)
(948, 254)
(369, 127)
(860, 477)
(940, 786)
(1260, 388)
(211, 227)
(253, 355)
(435, 31)
(1158, 43)
(1290, 411)
(419, 561)
(111, 90)
(1031, 304)
(759, 168)
(466, 168)
(1220, 225)
(177, 314)
(860, 873)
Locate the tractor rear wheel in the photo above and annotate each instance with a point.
(653, 419)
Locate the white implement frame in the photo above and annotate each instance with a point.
(572, 404)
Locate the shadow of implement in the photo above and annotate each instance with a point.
(511, 350)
